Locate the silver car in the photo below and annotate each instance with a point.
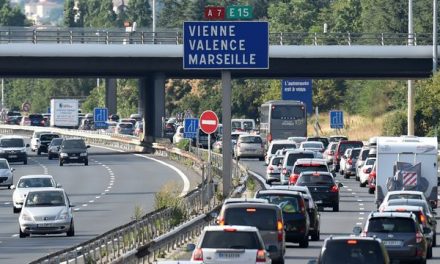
(6, 174)
(273, 170)
(46, 211)
(249, 146)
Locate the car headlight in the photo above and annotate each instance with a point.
(83, 154)
(2, 151)
(26, 217)
(63, 155)
(63, 216)
(23, 150)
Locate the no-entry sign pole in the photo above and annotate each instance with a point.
(226, 141)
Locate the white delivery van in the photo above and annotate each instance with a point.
(242, 124)
(407, 163)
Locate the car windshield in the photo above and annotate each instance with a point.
(312, 145)
(12, 143)
(248, 125)
(235, 240)
(276, 147)
(391, 225)
(352, 251)
(262, 218)
(48, 137)
(35, 183)
(73, 144)
(307, 167)
(4, 165)
(236, 125)
(256, 140)
(56, 141)
(287, 203)
(46, 198)
(315, 179)
(293, 157)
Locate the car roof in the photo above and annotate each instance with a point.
(284, 192)
(391, 215)
(395, 208)
(36, 176)
(405, 192)
(311, 142)
(282, 141)
(293, 151)
(314, 172)
(244, 200)
(46, 189)
(367, 238)
(238, 227)
(10, 136)
(305, 161)
(253, 205)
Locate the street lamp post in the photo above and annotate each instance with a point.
(410, 82)
(434, 37)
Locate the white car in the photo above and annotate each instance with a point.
(364, 171)
(35, 139)
(276, 145)
(178, 136)
(46, 211)
(394, 195)
(230, 244)
(6, 174)
(29, 183)
(273, 170)
(316, 146)
(344, 160)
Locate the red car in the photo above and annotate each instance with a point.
(372, 180)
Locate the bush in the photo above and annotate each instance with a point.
(395, 124)
(184, 144)
(168, 197)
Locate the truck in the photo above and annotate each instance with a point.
(64, 113)
(407, 163)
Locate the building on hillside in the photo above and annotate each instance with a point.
(43, 12)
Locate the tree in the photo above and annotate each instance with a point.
(11, 16)
(384, 16)
(139, 11)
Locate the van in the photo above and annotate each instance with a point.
(276, 145)
(242, 124)
(267, 218)
(13, 148)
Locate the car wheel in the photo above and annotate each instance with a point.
(38, 152)
(361, 184)
(86, 163)
(15, 210)
(370, 191)
(357, 178)
(61, 163)
(22, 235)
(71, 231)
(346, 176)
(429, 253)
(25, 162)
(49, 156)
(261, 159)
(316, 235)
(304, 243)
(336, 208)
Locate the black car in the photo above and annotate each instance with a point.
(37, 120)
(53, 150)
(45, 140)
(74, 150)
(13, 149)
(322, 186)
(169, 130)
(295, 215)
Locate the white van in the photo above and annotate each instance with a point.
(408, 151)
(242, 124)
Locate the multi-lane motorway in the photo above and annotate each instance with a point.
(105, 195)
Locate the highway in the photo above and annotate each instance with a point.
(104, 193)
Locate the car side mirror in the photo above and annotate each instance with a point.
(12, 169)
(340, 185)
(88, 146)
(12, 187)
(59, 185)
(357, 230)
(271, 249)
(213, 215)
(190, 247)
(27, 145)
(426, 230)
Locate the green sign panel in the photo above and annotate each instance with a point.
(239, 12)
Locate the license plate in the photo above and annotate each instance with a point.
(228, 255)
(73, 157)
(45, 225)
(12, 156)
(392, 242)
(318, 202)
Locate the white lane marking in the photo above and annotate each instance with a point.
(349, 190)
(97, 197)
(345, 186)
(361, 213)
(353, 193)
(361, 218)
(14, 235)
(359, 200)
(358, 223)
(84, 205)
(76, 209)
(7, 203)
(361, 209)
(107, 190)
(186, 184)
(91, 201)
(103, 193)
(361, 204)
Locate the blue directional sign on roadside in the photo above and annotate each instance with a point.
(336, 119)
(225, 45)
(100, 117)
(190, 127)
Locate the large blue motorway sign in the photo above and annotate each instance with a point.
(190, 127)
(100, 117)
(225, 45)
(336, 119)
(300, 90)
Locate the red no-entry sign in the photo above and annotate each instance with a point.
(208, 122)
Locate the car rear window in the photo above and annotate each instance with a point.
(404, 196)
(236, 240)
(391, 225)
(307, 167)
(344, 146)
(126, 125)
(352, 251)
(315, 179)
(312, 145)
(277, 161)
(370, 161)
(287, 203)
(73, 144)
(276, 147)
(293, 157)
(36, 117)
(251, 140)
(262, 218)
(12, 143)
(49, 137)
(355, 153)
(364, 154)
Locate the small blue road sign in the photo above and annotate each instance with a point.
(336, 119)
(300, 90)
(190, 127)
(100, 117)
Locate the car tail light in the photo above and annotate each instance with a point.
(334, 188)
(280, 228)
(284, 170)
(350, 161)
(293, 179)
(352, 242)
(229, 229)
(422, 218)
(373, 174)
(261, 256)
(221, 221)
(302, 206)
(419, 237)
(270, 168)
(197, 255)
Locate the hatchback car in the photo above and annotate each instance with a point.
(350, 159)
(44, 141)
(36, 138)
(316, 146)
(273, 170)
(290, 157)
(343, 145)
(37, 120)
(29, 183)
(6, 174)
(347, 249)
(302, 165)
(230, 244)
(322, 186)
(295, 216)
(46, 211)
(13, 149)
(394, 195)
(73, 150)
(276, 145)
(363, 156)
(249, 146)
(124, 128)
(400, 233)
(53, 150)
(365, 170)
(267, 218)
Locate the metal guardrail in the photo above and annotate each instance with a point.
(38, 35)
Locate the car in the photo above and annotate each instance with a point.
(13, 149)
(273, 170)
(139, 129)
(363, 156)
(178, 136)
(372, 180)
(73, 150)
(302, 165)
(340, 150)
(231, 244)
(337, 138)
(295, 215)
(329, 152)
(36, 120)
(403, 194)
(44, 141)
(203, 140)
(350, 164)
(128, 120)
(28, 183)
(316, 146)
(136, 117)
(46, 211)
(6, 174)
(276, 145)
(124, 128)
(11, 117)
(312, 209)
(344, 160)
(246, 125)
(290, 157)
(267, 218)
(297, 140)
(53, 150)
(249, 146)
(169, 130)
(365, 170)
(323, 140)
(400, 233)
(349, 249)
(36, 138)
(322, 186)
